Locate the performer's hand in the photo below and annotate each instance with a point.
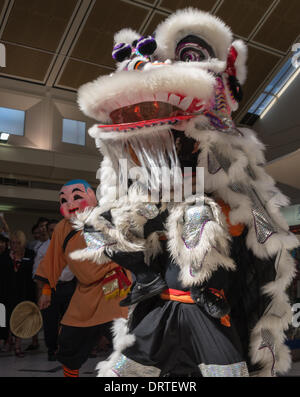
(44, 301)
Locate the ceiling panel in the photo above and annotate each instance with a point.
(1, 5)
(282, 27)
(77, 73)
(204, 5)
(26, 63)
(243, 15)
(96, 39)
(38, 24)
(156, 19)
(260, 64)
(150, 2)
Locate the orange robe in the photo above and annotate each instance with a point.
(88, 307)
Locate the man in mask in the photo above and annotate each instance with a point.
(95, 302)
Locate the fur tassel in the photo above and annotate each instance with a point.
(121, 340)
(197, 264)
(240, 64)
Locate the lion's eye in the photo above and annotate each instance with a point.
(188, 53)
(193, 49)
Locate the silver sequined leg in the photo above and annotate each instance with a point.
(125, 367)
(224, 371)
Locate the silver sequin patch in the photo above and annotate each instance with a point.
(268, 342)
(224, 162)
(149, 211)
(196, 218)
(224, 371)
(125, 367)
(97, 240)
(264, 226)
(213, 166)
(227, 128)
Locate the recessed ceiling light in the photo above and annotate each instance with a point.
(4, 137)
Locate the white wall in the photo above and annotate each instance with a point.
(40, 155)
(45, 109)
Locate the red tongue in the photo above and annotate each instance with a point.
(145, 123)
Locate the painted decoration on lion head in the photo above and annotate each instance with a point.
(186, 78)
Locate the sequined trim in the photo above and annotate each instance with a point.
(224, 162)
(149, 211)
(196, 218)
(268, 342)
(213, 166)
(97, 240)
(264, 226)
(224, 371)
(125, 367)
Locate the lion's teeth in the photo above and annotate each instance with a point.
(161, 97)
(185, 103)
(174, 99)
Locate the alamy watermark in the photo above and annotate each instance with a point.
(296, 315)
(160, 183)
(2, 56)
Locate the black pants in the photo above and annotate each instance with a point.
(60, 299)
(76, 343)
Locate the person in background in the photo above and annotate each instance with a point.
(19, 283)
(35, 231)
(40, 250)
(92, 307)
(4, 257)
(4, 229)
(60, 299)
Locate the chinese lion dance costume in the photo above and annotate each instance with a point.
(211, 270)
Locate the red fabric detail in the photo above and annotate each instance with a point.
(122, 278)
(231, 70)
(176, 292)
(226, 321)
(120, 275)
(217, 292)
(70, 373)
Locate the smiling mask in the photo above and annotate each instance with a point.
(76, 195)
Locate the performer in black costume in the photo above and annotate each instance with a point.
(211, 269)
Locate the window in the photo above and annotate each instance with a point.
(12, 121)
(74, 132)
(274, 89)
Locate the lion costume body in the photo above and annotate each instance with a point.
(169, 105)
